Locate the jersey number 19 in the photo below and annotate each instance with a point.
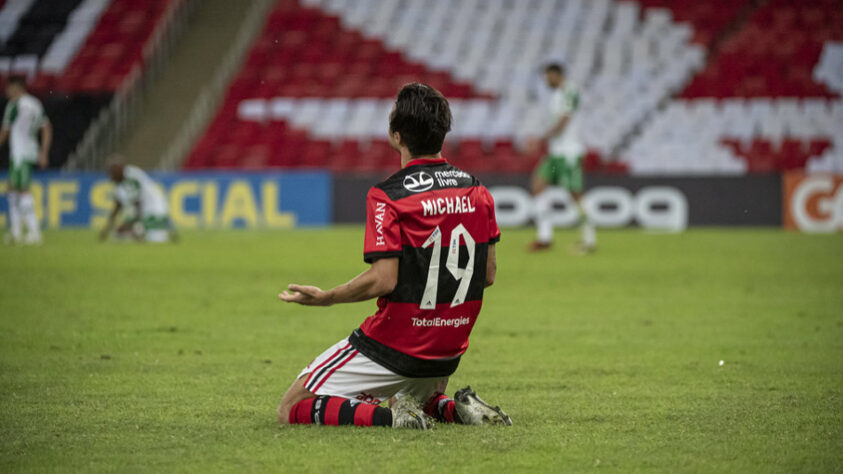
(462, 275)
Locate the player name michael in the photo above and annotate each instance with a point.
(447, 205)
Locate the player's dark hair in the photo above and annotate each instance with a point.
(555, 67)
(17, 80)
(422, 116)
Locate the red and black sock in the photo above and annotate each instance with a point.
(327, 410)
(442, 408)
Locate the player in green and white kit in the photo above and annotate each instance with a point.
(143, 206)
(22, 120)
(563, 165)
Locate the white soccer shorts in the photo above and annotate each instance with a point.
(342, 371)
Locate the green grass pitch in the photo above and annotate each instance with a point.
(140, 358)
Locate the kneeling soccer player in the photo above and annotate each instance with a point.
(430, 239)
(143, 206)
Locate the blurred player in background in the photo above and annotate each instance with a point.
(22, 120)
(143, 206)
(430, 240)
(564, 164)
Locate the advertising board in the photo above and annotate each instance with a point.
(196, 200)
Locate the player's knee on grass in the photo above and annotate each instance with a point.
(285, 408)
(294, 394)
(283, 414)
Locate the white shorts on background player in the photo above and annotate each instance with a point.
(342, 371)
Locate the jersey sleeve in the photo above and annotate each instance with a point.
(494, 230)
(383, 231)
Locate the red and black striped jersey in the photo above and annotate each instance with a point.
(439, 221)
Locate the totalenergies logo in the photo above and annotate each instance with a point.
(813, 203)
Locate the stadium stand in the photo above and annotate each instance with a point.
(115, 46)
(765, 102)
(733, 136)
(753, 86)
(88, 46)
(77, 54)
(709, 19)
(283, 111)
(667, 86)
(774, 53)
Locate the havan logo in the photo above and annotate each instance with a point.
(380, 210)
(418, 182)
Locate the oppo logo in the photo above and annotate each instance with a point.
(418, 182)
(654, 207)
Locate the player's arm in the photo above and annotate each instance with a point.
(557, 127)
(138, 216)
(534, 144)
(46, 142)
(109, 225)
(4, 135)
(379, 280)
(491, 266)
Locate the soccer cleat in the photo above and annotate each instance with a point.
(472, 410)
(538, 246)
(408, 413)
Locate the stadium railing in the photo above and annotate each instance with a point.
(209, 99)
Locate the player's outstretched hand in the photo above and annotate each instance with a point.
(306, 295)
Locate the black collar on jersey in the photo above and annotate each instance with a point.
(426, 161)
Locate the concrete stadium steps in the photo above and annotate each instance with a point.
(168, 102)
